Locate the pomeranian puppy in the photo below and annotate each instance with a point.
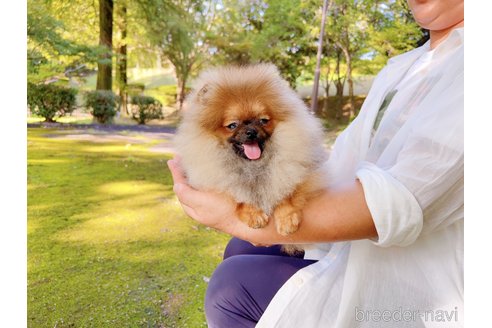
(246, 133)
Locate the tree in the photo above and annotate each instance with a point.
(348, 30)
(314, 97)
(266, 31)
(235, 26)
(122, 52)
(51, 51)
(283, 37)
(371, 29)
(392, 31)
(104, 72)
(179, 30)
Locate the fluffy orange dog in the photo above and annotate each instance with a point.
(246, 133)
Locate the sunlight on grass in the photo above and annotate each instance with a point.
(116, 148)
(108, 244)
(47, 161)
(32, 119)
(64, 119)
(143, 214)
(130, 188)
(151, 224)
(32, 226)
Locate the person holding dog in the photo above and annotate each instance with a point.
(387, 233)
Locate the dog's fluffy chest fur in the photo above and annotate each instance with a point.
(289, 156)
(263, 183)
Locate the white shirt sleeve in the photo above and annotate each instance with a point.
(395, 211)
(423, 189)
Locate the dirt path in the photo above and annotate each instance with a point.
(131, 134)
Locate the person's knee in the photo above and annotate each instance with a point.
(220, 285)
(221, 299)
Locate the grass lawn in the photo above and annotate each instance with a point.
(108, 244)
(171, 120)
(65, 119)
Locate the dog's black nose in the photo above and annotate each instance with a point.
(251, 134)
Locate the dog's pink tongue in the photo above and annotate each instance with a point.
(252, 151)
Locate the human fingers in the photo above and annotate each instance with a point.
(176, 171)
(189, 211)
(192, 201)
(181, 187)
(187, 195)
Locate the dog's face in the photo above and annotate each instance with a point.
(243, 124)
(241, 120)
(242, 107)
(247, 129)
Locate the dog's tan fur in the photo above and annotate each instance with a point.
(290, 169)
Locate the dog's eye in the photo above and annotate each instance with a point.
(232, 126)
(264, 121)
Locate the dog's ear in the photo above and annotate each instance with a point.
(201, 95)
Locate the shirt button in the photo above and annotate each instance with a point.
(298, 281)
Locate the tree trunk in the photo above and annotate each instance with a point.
(314, 95)
(104, 67)
(326, 87)
(181, 90)
(339, 86)
(348, 59)
(122, 60)
(325, 102)
(182, 74)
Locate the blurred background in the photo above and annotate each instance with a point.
(155, 48)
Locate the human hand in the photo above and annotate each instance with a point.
(211, 209)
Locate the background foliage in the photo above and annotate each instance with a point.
(48, 100)
(186, 36)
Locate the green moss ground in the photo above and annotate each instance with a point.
(108, 244)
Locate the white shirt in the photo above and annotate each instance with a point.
(411, 170)
(420, 66)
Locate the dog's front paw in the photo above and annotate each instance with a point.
(252, 216)
(292, 250)
(287, 219)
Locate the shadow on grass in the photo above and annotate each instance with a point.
(108, 245)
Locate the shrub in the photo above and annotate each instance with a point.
(102, 104)
(145, 108)
(48, 100)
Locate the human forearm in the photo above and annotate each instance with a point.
(337, 214)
